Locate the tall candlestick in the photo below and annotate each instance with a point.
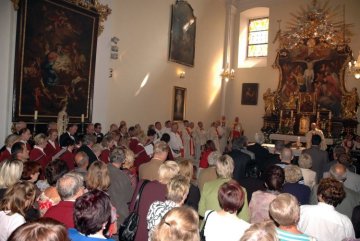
(317, 115)
(35, 115)
(292, 114)
(82, 118)
(281, 114)
(330, 115)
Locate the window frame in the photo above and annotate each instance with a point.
(248, 38)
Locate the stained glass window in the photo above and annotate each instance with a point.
(258, 37)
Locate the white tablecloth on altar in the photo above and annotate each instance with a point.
(296, 151)
(287, 138)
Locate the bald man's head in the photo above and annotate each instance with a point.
(338, 171)
(286, 155)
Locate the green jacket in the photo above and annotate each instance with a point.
(209, 199)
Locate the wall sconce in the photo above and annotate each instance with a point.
(114, 48)
(228, 74)
(354, 67)
(182, 75)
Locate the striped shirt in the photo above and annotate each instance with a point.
(287, 236)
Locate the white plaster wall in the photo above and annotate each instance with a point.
(267, 77)
(143, 29)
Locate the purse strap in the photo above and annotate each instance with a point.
(136, 208)
(203, 227)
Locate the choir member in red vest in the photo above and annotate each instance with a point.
(38, 154)
(52, 146)
(107, 143)
(19, 152)
(9, 141)
(68, 156)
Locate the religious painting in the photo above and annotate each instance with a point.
(179, 104)
(55, 60)
(307, 103)
(249, 94)
(182, 34)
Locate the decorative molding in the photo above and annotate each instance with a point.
(94, 5)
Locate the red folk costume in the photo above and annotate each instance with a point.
(69, 158)
(37, 154)
(105, 156)
(5, 155)
(52, 148)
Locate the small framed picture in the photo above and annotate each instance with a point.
(307, 103)
(179, 104)
(249, 94)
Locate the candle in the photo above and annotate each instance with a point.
(317, 115)
(330, 115)
(292, 114)
(35, 115)
(280, 114)
(82, 118)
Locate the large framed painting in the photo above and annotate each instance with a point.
(55, 60)
(182, 34)
(179, 104)
(249, 94)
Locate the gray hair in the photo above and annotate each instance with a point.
(213, 157)
(259, 138)
(89, 139)
(239, 143)
(69, 185)
(338, 171)
(117, 155)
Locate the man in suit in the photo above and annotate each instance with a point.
(88, 142)
(261, 153)
(241, 159)
(69, 187)
(319, 157)
(99, 135)
(274, 158)
(69, 134)
(149, 170)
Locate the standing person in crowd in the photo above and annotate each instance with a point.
(314, 130)
(70, 187)
(176, 144)
(9, 142)
(149, 170)
(263, 231)
(305, 164)
(19, 152)
(24, 137)
(50, 196)
(187, 170)
(153, 191)
(69, 156)
(322, 221)
(10, 173)
(200, 137)
(97, 132)
(293, 186)
(285, 211)
(52, 146)
(44, 229)
(87, 144)
(319, 157)
(252, 182)
(180, 223)
(241, 158)
(209, 174)
(18, 198)
(38, 154)
(260, 200)
(208, 199)
(108, 144)
(224, 224)
(177, 191)
(261, 153)
(82, 162)
(92, 214)
(69, 134)
(128, 167)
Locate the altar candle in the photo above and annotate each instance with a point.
(317, 115)
(82, 118)
(35, 115)
(280, 114)
(292, 114)
(330, 115)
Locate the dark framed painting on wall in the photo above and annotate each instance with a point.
(55, 60)
(179, 104)
(249, 94)
(182, 34)
(307, 103)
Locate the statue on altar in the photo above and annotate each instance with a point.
(269, 101)
(62, 120)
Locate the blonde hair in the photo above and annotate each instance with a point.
(10, 172)
(107, 140)
(97, 176)
(264, 231)
(11, 139)
(293, 173)
(40, 139)
(168, 170)
(225, 166)
(160, 147)
(129, 156)
(18, 198)
(178, 189)
(97, 148)
(186, 169)
(285, 210)
(179, 224)
(305, 161)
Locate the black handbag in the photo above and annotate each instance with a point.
(202, 232)
(128, 228)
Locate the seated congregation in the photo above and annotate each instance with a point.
(182, 183)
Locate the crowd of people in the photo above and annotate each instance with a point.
(185, 182)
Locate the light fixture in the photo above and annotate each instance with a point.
(354, 67)
(228, 74)
(182, 75)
